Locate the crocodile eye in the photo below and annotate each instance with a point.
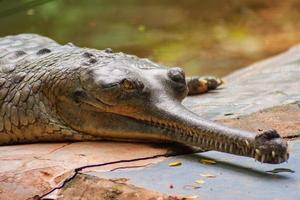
(128, 84)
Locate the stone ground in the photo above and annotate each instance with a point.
(230, 177)
(264, 95)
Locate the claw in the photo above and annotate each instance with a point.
(220, 81)
(213, 82)
(204, 81)
(273, 154)
(200, 85)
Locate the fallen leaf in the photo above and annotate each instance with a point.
(279, 170)
(208, 162)
(228, 114)
(188, 187)
(208, 175)
(200, 181)
(190, 197)
(175, 164)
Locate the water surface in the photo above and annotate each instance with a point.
(204, 37)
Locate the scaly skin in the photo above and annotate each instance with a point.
(50, 92)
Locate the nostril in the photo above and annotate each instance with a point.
(268, 135)
(177, 74)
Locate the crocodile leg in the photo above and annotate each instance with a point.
(202, 84)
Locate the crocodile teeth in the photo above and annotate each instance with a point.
(207, 142)
(247, 143)
(202, 141)
(263, 158)
(199, 140)
(286, 157)
(216, 145)
(273, 154)
(279, 160)
(258, 151)
(225, 147)
(231, 148)
(256, 156)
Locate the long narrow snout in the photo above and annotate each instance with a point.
(184, 126)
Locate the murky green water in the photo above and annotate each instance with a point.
(204, 37)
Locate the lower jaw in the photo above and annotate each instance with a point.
(204, 140)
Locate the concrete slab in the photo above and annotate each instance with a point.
(236, 178)
(271, 82)
(84, 187)
(34, 169)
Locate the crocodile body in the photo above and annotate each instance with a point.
(51, 92)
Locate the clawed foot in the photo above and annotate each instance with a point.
(200, 85)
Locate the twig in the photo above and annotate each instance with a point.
(128, 167)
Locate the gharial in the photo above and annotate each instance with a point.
(51, 92)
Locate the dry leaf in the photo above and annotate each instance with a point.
(278, 170)
(208, 162)
(190, 197)
(200, 181)
(208, 175)
(189, 187)
(175, 164)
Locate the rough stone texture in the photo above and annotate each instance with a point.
(262, 96)
(285, 119)
(29, 170)
(84, 187)
(235, 177)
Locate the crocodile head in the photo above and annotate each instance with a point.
(123, 97)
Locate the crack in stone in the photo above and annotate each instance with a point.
(79, 169)
(54, 150)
